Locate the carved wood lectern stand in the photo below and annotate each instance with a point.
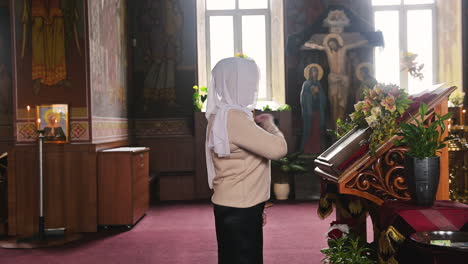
(349, 169)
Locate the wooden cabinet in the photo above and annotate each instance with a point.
(123, 183)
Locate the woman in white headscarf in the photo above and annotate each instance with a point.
(238, 149)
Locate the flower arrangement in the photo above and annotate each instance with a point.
(381, 108)
(200, 94)
(409, 64)
(456, 98)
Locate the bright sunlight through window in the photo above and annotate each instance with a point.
(407, 26)
(227, 27)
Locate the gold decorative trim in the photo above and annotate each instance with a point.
(79, 112)
(163, 127)
(388, 239)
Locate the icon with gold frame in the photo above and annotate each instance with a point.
(53, 121)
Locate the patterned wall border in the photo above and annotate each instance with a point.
(26, 132)
(26, 128)
(162, 127)
(79, 131)
(109, 129)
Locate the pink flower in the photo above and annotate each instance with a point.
(389, 103)
(367, 105)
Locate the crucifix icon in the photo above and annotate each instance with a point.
(336, 44)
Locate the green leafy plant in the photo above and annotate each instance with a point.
(423, 140)
(289, 165)
(342, 128)
(266, 108)
(284, 107)
(347, 250)
(200, 94)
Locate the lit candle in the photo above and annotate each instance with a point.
(29, 110)
(38, 123)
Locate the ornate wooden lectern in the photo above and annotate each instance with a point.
(349, 165)
(360, 182)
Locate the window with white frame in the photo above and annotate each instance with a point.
(407, 26)
(227, 27)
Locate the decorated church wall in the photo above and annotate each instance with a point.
(164, 58)
(163, 71)
(49, 63)
(65, 52)
(108, 70)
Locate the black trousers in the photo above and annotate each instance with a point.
(239, 232)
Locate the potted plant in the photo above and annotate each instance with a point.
(288, 166)
(421, 162)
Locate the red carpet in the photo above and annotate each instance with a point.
(171, 234)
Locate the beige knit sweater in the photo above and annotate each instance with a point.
(243, 179)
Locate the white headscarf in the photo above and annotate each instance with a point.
(234, 85)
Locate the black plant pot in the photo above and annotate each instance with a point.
(422, 177)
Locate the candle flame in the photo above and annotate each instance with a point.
(38, 120)
(28, 107)
(464, 111)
